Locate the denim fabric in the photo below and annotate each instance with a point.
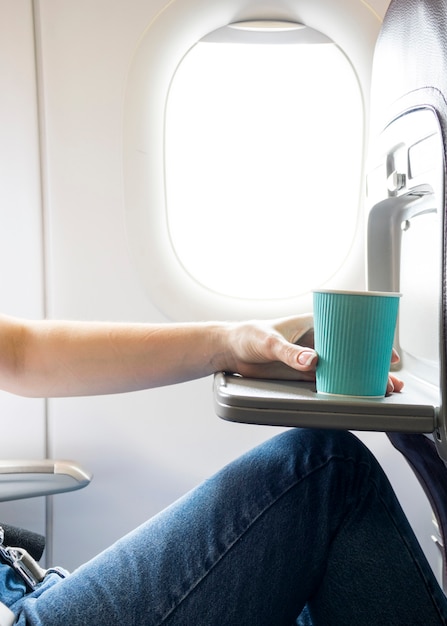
(306, 524)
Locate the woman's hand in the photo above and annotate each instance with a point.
(62, 358)
(394, 384)
(280, 348)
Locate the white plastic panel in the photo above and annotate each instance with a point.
(405, 193)
(420, 281)
(22, 421)
(163, 45)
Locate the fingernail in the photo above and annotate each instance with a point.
(306, 358)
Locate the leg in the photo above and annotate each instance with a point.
(308, 515)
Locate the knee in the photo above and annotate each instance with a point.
(306, 447)
(315, 441)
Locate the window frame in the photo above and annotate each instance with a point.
(169, 36)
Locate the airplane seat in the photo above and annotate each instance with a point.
(21, 479)
(407, 224)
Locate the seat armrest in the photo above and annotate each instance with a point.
(30, 478)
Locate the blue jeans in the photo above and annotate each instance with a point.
(304, 529)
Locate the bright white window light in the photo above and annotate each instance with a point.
(263, 160)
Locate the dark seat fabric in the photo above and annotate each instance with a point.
(422, 456)
(410, 60)
(32, 542)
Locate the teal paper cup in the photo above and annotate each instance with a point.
(354, 334)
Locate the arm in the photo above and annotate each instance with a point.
(50, 359)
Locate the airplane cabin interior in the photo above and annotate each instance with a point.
(188, 160)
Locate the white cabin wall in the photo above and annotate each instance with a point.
(146, 448)
(21, 276)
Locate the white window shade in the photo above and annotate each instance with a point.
(263, 158)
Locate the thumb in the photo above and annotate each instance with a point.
(295, 356)
(307, 358)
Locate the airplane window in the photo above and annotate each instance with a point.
(264, 139)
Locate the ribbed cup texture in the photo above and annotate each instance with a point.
(354, 336)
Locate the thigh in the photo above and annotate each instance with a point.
(249, 546)
(204, 560)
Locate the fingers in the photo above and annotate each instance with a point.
(395, 385)
(298, 343)
(295, 329)
(300, 358)
(395, 358)
(307, 359)
(292, 343)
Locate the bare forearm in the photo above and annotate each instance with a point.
(50, 359)
(67, 359)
